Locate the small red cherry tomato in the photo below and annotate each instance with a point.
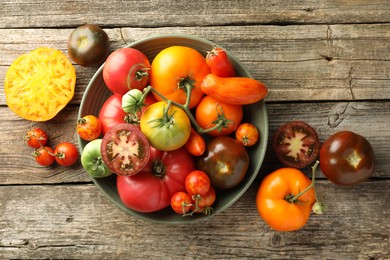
(36, 137)
(197, 182)
(44, 155)
(89, 127)
(219, 63)
(195, 143)
(181, 202)
(66, 154)
(247, 134)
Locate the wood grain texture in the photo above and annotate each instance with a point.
(297, 63)
(157, 13)
(77, 222)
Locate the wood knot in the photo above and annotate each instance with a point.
(275, 240)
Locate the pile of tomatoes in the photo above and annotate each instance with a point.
(169, 119)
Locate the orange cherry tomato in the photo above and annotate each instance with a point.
(173, 68)
(234, 90)
(247, 134)
(195, 144)
(89, 127)
(209, 110)
(275, 202)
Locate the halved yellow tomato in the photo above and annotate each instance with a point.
(40, 84)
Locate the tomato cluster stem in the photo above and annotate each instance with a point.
(318, 207)
(221, 122)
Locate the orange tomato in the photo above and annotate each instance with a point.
(274, 199)
(234, 90)
(247, 134)
(209, 110)
(174, 67)
(195, 144)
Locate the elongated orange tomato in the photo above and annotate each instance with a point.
(234, 90)
(195, 144)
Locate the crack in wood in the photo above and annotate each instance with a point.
(338, 117)
(350, 81)
(329, 35)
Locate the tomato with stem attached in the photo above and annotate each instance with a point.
(210, 112)
(66, 154)
(285, 199)
(176, 67)
(36, 137)
(197, 182)
(89, 127)
(44, 155)
(219, 63)
(247, 134)
(181, 202)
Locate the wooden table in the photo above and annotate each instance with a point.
(324, 62)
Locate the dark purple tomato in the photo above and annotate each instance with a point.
(88, 45)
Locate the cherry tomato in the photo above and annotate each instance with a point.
(247, 134)
(219, 63)
(176, 67)
(181, 202)
(126, 69)
(206, 200)
(276, 203)
(66, 154)
(44, 155)
(167, 129)
(296, 144)
(209, 110)
(125, 150)
(88, 45)
(89, 127)
(195, 144)
(152, 188)
(112, 113)
(225, 162)
(234, 90)
(347, 158)
(36, 137)
(197, 183)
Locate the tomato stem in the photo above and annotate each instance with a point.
(318, 207)
(220, 123)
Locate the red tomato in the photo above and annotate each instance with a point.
(89, 127)
(125, 149)
(247, 134)
(126, 69)
(197, 183)
(36, 137)
(112, 113)
(181, 202)
(175, 67)
(66, 154)
(204, 202)
(275, 202)
(44, 156)
(347, 158)
(209, 110)
(195, 144)
(219, 63)
(152, 188)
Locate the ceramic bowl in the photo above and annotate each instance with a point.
(96, 93)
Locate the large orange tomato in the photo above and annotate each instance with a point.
(175, 67)
(209, 111)
(278, 203)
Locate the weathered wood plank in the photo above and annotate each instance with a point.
(32, 14)
(316, 62)
(327, 117)
(77, 222)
